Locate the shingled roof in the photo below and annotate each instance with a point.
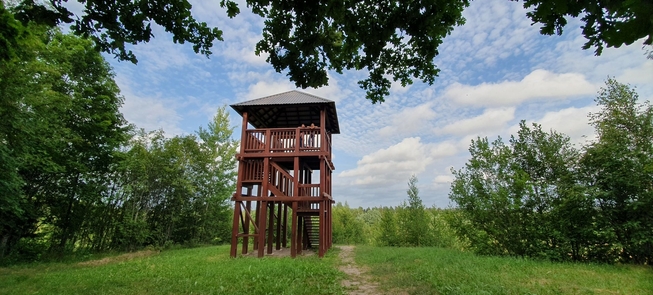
(289, 110)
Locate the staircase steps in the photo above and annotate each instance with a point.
(312, 230)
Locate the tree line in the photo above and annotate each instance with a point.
(76, 176)
(538, 195)
(411, 224)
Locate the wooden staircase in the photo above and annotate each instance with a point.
(280, 182)
(312, 231)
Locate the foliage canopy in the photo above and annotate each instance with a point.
(390, 39)
(74, 176)
(541, 197)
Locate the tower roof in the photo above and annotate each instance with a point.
(289, 110)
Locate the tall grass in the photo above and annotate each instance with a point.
(207, 270)
(445, 271)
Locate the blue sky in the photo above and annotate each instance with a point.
(496, 70)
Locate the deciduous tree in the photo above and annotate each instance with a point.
(619, 169)
(516, 196)
(413, 221)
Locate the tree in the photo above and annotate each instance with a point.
(10, 34)
(619, 169)
(80, 130)
(388, 38)
(175, 190)
(488, 191)
(216, 175)
(391, 38)
(16, 45)
(347, 229)
(388, 233)
(607, 23)
(413, 220)
(517, 197)
(558, 213)
(70, 178)
(60, 131)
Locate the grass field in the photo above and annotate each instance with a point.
(207, 270)
(444, 271)
(210, 270)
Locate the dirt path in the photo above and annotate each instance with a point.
(357, 282)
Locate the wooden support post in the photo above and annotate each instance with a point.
(256, 220)
(248, 209)
(300, 232)
(234, 230)
(284, 233)
(326, 225)
(264, 205)
(330, 234)
(268, 142)
(322, 207)
(270, 227)
(321, 233)
(323, 145)
(293, 231)
(278, 217)
(261, 229)
(299, 141)
(243, 134)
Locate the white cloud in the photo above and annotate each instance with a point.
(266, 88)
(490, 120)
(494, 32)
(574, 122)
(444, 149)
(397, 88)
(642, 74)
(443, 179)
(387, 166)
(162, 54)
(333, 91)
(149, 112)
(540, 84)
(408, 121)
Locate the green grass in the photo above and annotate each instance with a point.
(444, 271)
(210, 270)
(207, 270)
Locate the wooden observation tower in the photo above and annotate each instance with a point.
(284, 174)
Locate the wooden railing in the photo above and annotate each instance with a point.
(252, 170)
(310, 140)
(285, 140)
(281, 181)
(254, 141)
(309, 190)
(307, 206)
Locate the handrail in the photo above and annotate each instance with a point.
(309, 190)
(285, 183)
(285, 140)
